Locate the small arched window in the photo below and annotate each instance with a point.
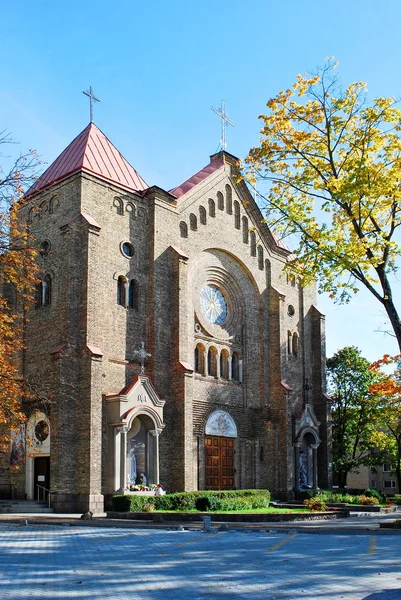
(47, 290)
(236, 367)
(220, 201)
(212, 208)
(268, 269)
(43, 292)
(224, 364)
(119, 205)
(229, 200)
(252, 236)
(183, 229)
(295, 344)
(212, 362)
(237, 215)
(289, 342)
(131, 209)
(245, 230)
(260, 258)
(193, 222)
(133, 294)
(200, 359)
(122, 291)
(202, 215)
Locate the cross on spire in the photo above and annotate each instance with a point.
(221, 112)
(92, 99)
(142, 355)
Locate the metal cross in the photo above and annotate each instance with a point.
(92, 99)
(221, 112)
(143, 355)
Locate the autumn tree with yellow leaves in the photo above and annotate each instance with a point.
(333, 166)
(387, 437)
(17, 284)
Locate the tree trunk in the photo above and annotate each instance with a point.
(393, 316)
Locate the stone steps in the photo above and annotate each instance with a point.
(23, 507)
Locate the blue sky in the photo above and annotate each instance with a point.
(158, 67)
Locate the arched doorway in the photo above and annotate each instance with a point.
(37, 471)
(220, 436)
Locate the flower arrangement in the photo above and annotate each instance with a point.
(141, 488)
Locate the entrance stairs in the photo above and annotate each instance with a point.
(23, 507)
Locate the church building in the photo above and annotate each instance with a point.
(172, 343)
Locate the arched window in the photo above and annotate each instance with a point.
(229, 200)
(131, 209)
(260, 258)
(212, 362)
(183, 229)
(237, 215)
(268, 269)
(119, 205)
(295, 344)
(122, 291)
(200, 359)
(212, 208)
(289, 342)
(47, 290)
(193, 222)
(202, 215)
(220, 201)
(225, 364)
(43, 292)
(245, 230)
(252, 236)
(236, 367)
(133, 294)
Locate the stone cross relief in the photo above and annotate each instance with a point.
(142, 355)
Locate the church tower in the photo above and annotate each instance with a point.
(173, 344)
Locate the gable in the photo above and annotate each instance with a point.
(214, 192)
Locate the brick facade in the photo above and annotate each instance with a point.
(82, 345)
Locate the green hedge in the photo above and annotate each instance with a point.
(341, 496)
(187, 501)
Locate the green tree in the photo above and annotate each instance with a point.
(333, 166)
(355, 411)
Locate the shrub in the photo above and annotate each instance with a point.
(315, 504)
(206, 503)
(368, 500)
(186, 501)
(372, 493)
(148, 507)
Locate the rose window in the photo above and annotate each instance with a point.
(213, 304)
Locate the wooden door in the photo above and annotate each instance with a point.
(219, 463)
(41, 477)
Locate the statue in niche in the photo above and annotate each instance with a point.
(303, 471)
(132, 469)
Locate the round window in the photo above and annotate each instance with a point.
(213, 305)
(291, 310)
(127, 249)
(41, 431)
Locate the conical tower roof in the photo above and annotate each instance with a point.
(91, 151)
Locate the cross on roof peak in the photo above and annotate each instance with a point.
(92, 99)
(221, 112)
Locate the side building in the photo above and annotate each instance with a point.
(172, 342)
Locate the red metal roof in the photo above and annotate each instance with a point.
(182, 189)
(93, 152)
